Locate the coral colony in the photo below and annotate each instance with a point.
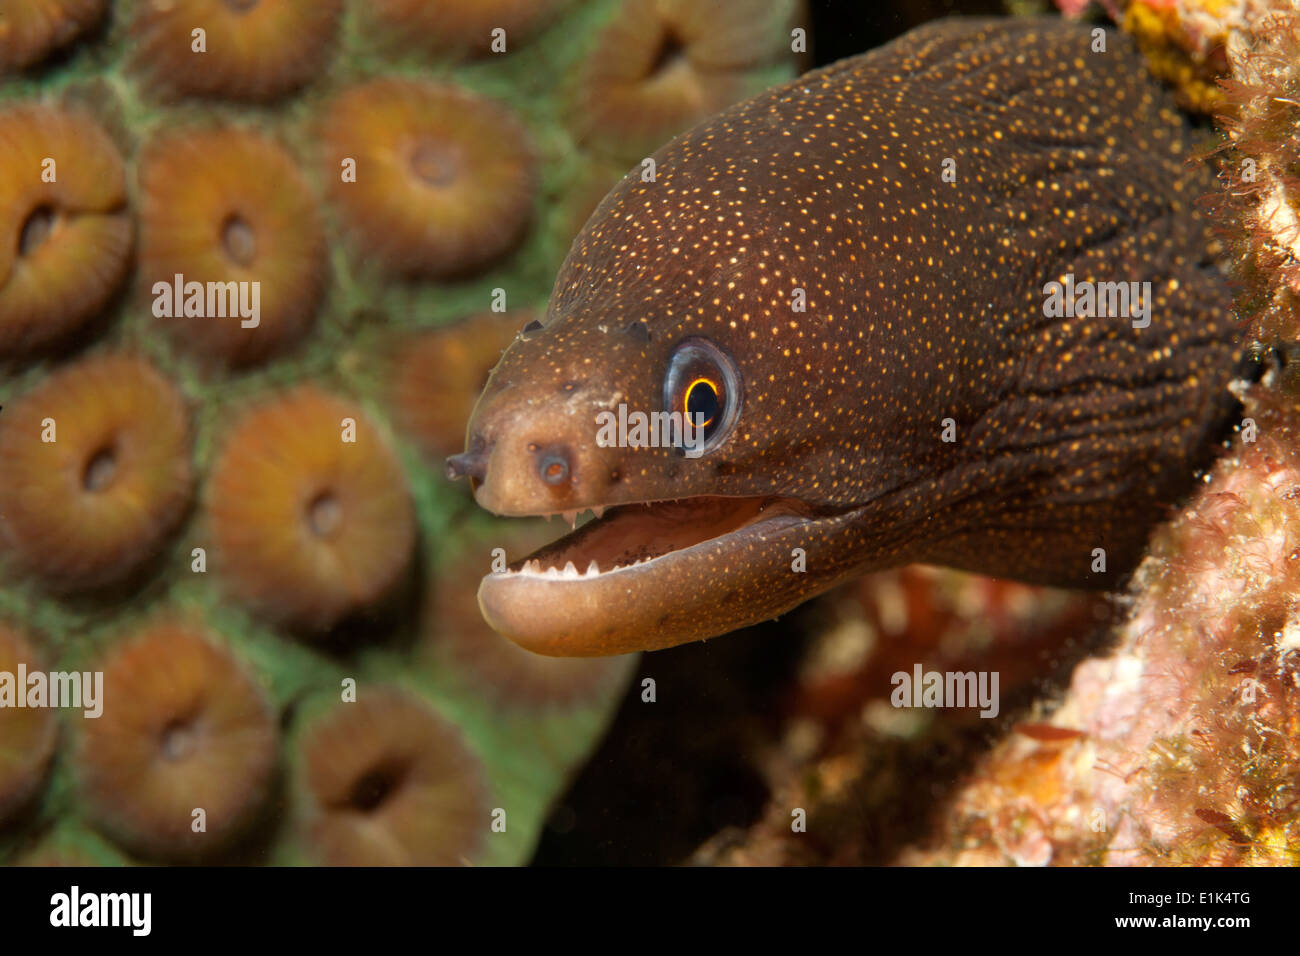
(261, 259)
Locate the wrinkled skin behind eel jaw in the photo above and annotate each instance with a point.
(1073, 436)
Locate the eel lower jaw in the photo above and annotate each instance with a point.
(643, 576)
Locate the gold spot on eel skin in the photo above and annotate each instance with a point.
(925, 403)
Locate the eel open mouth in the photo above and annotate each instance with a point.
(641, 576)
(627, 535)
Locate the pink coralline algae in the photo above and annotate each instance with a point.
(1187, 745)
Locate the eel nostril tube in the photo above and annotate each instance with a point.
(553, 466)
(470, 463)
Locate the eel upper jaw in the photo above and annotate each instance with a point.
(650, 575)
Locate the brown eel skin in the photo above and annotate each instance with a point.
(925, 404)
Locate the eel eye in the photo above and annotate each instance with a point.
(702, 384)
(701, 402)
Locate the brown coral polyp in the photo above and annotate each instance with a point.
(27, 734)
(309, 511)
(439, 374)
(221, 206)
(388, 782)
(97, 470)
(255, 50)
(65, 233)
(184, 728)
(32, 29)
(460, 26)
(430, 179)
(661, 66)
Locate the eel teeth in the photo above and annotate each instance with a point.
(572, 518)
(598, 511)
(570, 572)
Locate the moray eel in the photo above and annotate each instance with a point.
(846, 279)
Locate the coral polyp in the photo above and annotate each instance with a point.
(32, 29)
(439, 374)
(309, 510)
(65, 234)
(662, 65)
(181, 762)
(431, 180)
(27, 734)
(388, 782)
(460, 26)
(248, 50)
(228, 205)
(97, 471)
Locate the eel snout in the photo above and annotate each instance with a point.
(643, 571)
(650, 575)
